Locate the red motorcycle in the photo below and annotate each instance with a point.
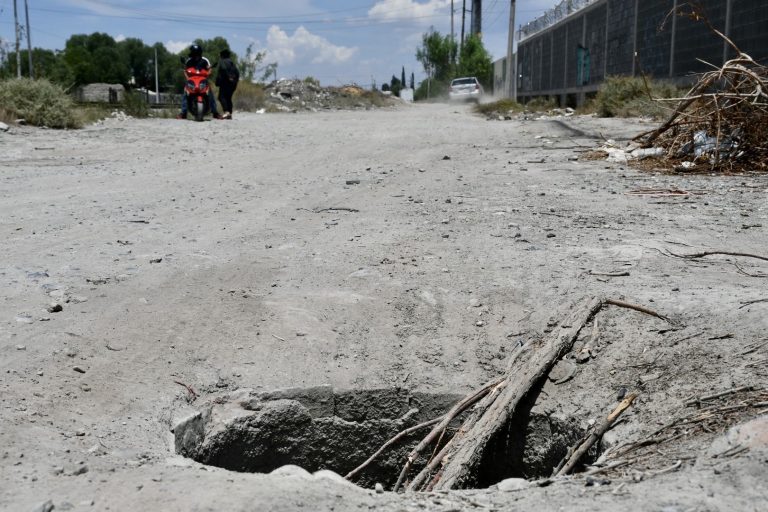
(198, 92)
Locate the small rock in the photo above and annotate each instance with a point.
(353, 182)
(327, 474)
(446, 157)
(379, 488)
(55, 307)
(45, 507)
(24, 319)
(562, 371)
(156, 260)
(58, 470)
(77, 299)
(551, 235)
(512, 484)
(79, 470)
(70, 352)
(475, 303)
(85, 387)
(649, 377)
(583, 356)
(4, 127)
(78, 369)
(596, 481)
(290, 470)
(21, 347)
(480, 323)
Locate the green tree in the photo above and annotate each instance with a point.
(475, 60)
(395, 86)
(139, 58)
(435, 55)
(46, 63)
(96, 58)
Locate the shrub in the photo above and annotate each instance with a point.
(249, 97)
(501, 107)
(39, 102)
(541, 103)
(623, 96)
(135, 104)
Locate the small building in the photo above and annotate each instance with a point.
(100, 93)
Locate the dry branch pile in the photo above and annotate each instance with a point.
(721, 124)
(455, 460)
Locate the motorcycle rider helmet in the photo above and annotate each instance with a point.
(196, 50)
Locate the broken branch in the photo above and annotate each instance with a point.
(592, 438)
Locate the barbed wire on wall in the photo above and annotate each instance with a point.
(561, 11)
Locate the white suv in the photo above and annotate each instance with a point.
(467, 88)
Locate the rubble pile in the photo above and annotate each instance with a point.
(720, 125)
(292, 95)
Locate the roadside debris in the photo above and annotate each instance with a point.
(721, 124)
(307, 95)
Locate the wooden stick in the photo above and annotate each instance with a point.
(457, 409)
(592, 438)
(389, 443)
(466, 453)
(641, 309)
(465, 427)
(718, 395)
(724, 253)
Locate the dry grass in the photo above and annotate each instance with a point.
(38, 102)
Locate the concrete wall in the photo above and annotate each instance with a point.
(571, 58)
(100, 93)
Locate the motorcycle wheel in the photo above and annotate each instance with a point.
(200, 111)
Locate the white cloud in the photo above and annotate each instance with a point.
(119, 38)
(176, 46)
(400, 9)
(305, 47)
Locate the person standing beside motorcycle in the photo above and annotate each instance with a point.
(197, 61)
(226, 80)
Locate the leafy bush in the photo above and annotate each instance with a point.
(624, 96)
(39, 102)
(135, 104)
(541, 103)
(249, 97)
(499, 107)
(438, 90)
(310, 80)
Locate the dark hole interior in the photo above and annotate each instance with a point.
(338, 430)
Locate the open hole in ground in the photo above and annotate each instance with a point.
(321, 428)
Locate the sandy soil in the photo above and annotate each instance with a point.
(409, 247)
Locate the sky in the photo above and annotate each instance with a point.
(336, 41)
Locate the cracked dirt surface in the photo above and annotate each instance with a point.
(411, 247)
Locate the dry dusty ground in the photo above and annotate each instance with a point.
(409, 247)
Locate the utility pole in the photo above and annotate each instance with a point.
(157, 80)
(18, 36)
(463, 22)
(511, 57)
(29, 41)
(477, 17)
(453, 56)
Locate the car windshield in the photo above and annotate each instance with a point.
(463, 81)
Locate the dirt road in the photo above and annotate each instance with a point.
(410, 247)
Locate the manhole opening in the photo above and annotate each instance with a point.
(321, 428)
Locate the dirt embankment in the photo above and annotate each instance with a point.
(153, 268)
